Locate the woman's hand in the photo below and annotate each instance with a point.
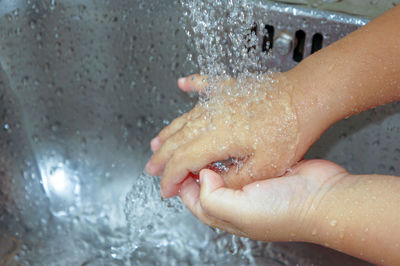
(253, 123)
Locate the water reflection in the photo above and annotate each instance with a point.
(62, 186)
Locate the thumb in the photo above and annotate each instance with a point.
(210, 181)
(218, 201)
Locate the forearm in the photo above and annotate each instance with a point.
(359, 72)
(360, 216)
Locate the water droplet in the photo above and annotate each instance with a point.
(32, 24)
(59, 92)
(6, 127)
(55, 126)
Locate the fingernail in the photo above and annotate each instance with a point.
(162, 193)
(155, 143)
(181, 80)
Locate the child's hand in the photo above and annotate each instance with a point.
(317, 202)
(278, 209)
(260, 131)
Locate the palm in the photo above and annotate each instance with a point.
(264, 206)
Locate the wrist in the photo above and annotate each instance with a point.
(357, 215)
(326, 226)
(315, 106)
(318, 219)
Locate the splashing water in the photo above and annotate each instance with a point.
(222, 34)
(230, 57)
(178, 237)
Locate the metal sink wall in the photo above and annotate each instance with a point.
(84, 85)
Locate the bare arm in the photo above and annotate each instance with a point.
(317, 202)
(360, 216)
(357, 73)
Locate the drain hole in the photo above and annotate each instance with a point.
(317, 40)
(299, 46)
(253, 31)
(268, 40)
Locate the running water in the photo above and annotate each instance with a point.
(223, 36)
(163, 232)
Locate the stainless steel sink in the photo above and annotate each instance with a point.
(84, 86)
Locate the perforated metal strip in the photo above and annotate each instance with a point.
(285, 21)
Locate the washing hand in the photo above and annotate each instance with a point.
(269, 135)
(277, 209)
(258, 129)
(317, 201)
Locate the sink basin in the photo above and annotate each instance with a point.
(84, 86)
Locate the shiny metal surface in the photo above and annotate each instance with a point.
(283, 43)
(369, 9)
(287, 20)
(84, 85)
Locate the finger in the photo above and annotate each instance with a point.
(157, 162)
(190, 195)
(175, 125)
(220, 202)
(155, 144)
(168, 131)
(194, 156)
(193, 83)
(203, 84)
(241, 174)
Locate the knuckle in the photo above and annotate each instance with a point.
(192, 129)
(182, 137)
(177, 159)
(164, 152)
(174, 142)
(156, 157)
(165, 132)
(194, 113)
(163, 135)
(174, 126)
